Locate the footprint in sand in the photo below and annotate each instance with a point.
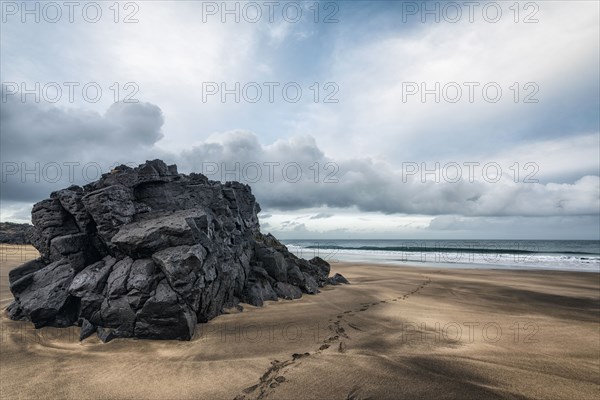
(250, 389)
(332, 339)
(296, 356)
(354, 327)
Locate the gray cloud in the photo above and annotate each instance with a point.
(296, 227)
(288, 174)
(376, 186)
(321, 215)
(45, 147)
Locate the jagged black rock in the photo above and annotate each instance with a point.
(12, 233)
(147, 252)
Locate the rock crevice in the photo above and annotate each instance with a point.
(147, 252)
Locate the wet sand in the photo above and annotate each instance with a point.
(393, 333)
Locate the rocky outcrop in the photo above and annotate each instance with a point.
(12, 233)
(149, 253)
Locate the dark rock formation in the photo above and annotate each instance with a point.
(338, 279)
(87, 329)
(149, 252)
(12, 233)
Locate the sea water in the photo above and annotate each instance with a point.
(567, 255)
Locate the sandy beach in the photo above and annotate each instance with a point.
(394, 332)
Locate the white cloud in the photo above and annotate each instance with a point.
(559, 54)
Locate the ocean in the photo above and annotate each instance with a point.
(566, 255)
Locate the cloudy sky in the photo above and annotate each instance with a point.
(357, 119)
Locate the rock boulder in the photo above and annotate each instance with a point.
(147, 252)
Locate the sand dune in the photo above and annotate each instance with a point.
(395, 332)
